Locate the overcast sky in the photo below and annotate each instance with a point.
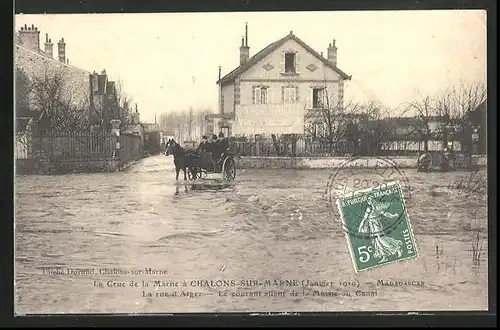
(170, 61)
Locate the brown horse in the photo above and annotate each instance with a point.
(183, 159)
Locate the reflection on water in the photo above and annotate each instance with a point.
(265, 225)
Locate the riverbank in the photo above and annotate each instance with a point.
(335, 162)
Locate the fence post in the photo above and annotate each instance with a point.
(115, 129)
(257, 144)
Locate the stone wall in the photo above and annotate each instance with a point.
(32, 166)
(332, 162)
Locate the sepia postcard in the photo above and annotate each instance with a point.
(254, 162)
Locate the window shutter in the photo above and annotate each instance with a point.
(282, 94)
(266, 98)
(254, 90)
(297, 98)
(311, 104)
(297, 62)
(282, 64)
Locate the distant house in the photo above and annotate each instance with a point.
(91, 91)
(409, 133)
(269, 92)
(165, 136)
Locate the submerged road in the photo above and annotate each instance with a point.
(82, 239)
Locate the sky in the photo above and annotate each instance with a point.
(169, 61)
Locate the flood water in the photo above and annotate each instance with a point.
(270, 224)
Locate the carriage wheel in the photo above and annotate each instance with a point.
(229, 169)
(424, 162)
(193, 173)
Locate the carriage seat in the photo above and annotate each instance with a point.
(206, 160)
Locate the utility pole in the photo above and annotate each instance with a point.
(221, 109)
(190, 123)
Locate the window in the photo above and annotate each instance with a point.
(290, 95)
(260, 95)
(318, 97)
(290, 63)
(263, 95)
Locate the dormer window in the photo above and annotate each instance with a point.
(289, 62)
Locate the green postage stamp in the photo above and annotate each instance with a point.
(377, 226)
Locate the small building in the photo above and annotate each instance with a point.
(270, 92)
(408, 134)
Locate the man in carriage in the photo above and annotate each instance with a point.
(203, 146)
(216, 146)
(221, 144)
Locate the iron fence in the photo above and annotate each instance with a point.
(308, 147)
(88, 145)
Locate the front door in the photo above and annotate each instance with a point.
(225, 130)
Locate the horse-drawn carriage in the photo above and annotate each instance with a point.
(202, 165)
(224, 165)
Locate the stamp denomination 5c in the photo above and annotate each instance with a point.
(379, 230)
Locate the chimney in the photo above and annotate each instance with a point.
(244, 49)
(104, 82)
(61, 48)
(332, 53)
(95, 82)
(48, 46)
(30, 37)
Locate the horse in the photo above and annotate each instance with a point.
(183, 159)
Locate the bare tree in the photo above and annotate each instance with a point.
(425, 109)
(123, 105)
(22, 91)
(50, 97)
(374, 126)
(116, 105)
(458, 105)
(330, 120)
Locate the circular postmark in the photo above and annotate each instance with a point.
(376, 190)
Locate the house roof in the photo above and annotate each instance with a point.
(269, 49)
(48, 58)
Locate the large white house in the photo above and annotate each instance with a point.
(270, 92)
